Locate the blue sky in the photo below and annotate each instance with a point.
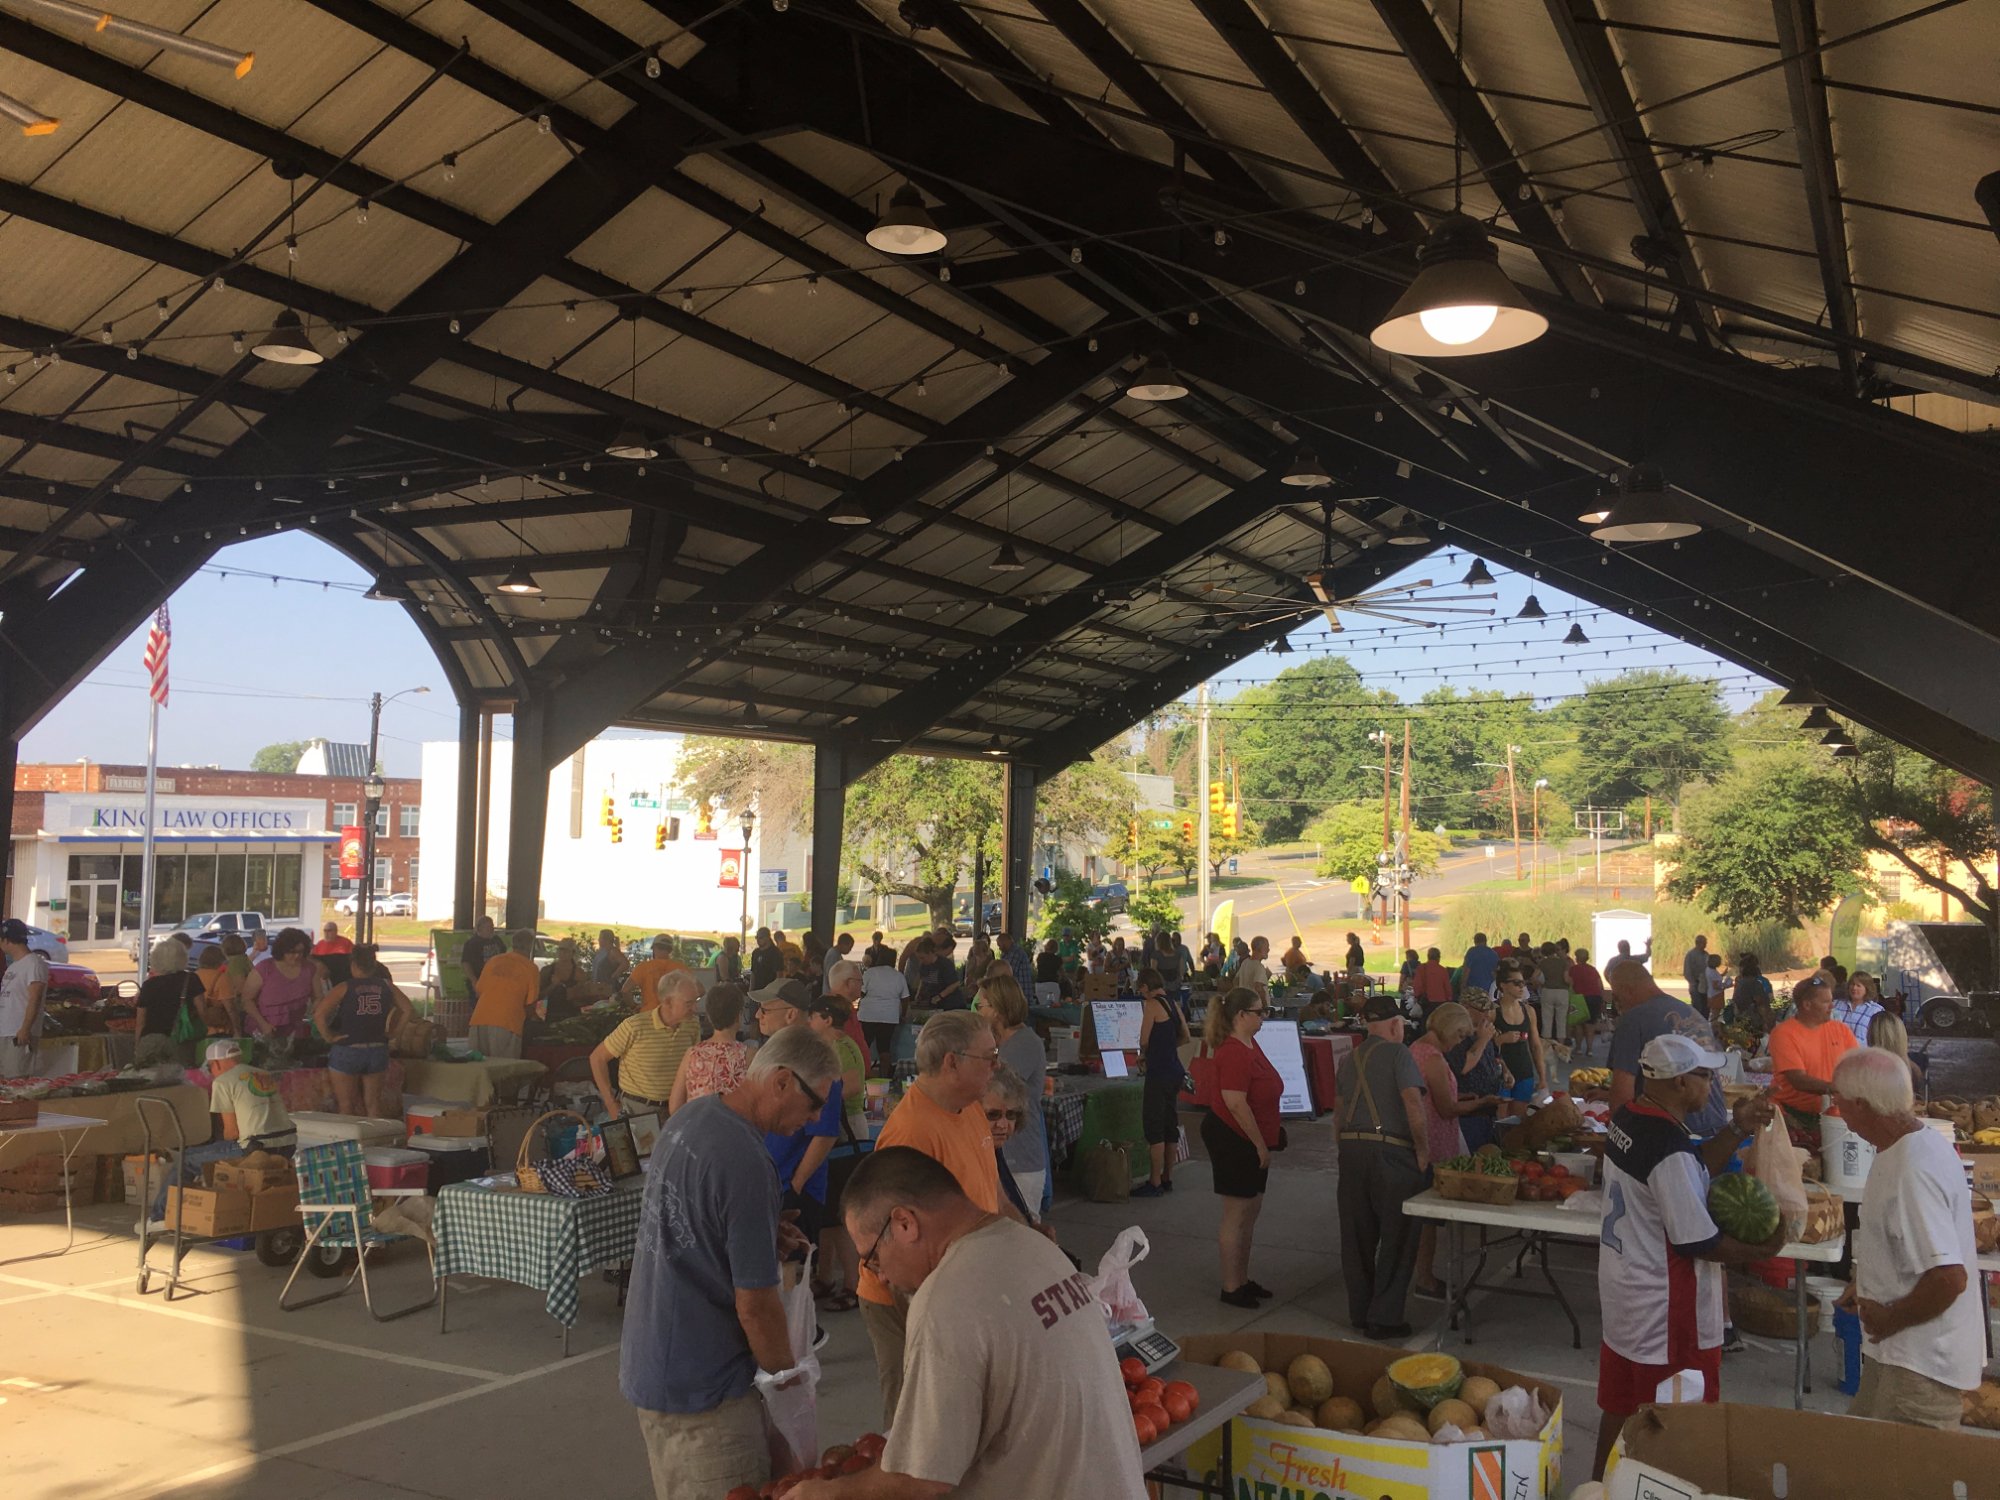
(255, 662)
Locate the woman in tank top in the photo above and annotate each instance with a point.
(282, 989)
(358, 1017)
(1519, 1034)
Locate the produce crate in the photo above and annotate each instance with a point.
(1475, 1187)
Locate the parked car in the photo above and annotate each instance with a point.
(205, 928)
(401, 904)
(961, 922)
(51, 945)
(1112, 898)
(74, 982)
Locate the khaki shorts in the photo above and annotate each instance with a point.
(1890, 1393)
(700, 1455)
(494, 1041)
(886, 1329)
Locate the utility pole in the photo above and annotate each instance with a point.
(1201, 805)
(1403, 863)
(1388, 844)
(1514, 805)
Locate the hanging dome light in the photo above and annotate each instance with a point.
(1835, 738)
(1476, 574)
(1802, 696)
(1643, 509)
(1600, 507)
(906, 227)
(1282, 646)
(1843, 752)
(631, 443)
(1306, 472)
(286, 343)
(1818, 722)
(1576, 637)
(1007, 560)
(748, 717)
(1407, 533)
(520, 581)
(844, 512)
(1532, 610)
(1461, 301)
(388, 591)
(1156, 381)
(994, 748)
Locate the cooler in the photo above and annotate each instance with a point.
(421, 1114)
(396, 1167)
(453, 1158)
(323, 1128)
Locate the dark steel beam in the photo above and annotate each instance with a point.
(1812, 130)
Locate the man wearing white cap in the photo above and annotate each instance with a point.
(1660, 1254)
(254, 1118)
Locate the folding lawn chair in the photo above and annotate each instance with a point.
(336, 1203)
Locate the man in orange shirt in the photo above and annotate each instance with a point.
(643, 984)
(332, 942)
(943, 1115)
(1804, 1051)
(509, 990)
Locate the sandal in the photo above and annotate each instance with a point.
(841, 1301)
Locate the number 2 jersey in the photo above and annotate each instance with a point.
(1660, 1305)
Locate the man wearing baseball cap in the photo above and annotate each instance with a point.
(1660, 1254)
(1384, 1151)
(254, 1117)
(23, 989)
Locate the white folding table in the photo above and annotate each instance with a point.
(1534, 1224)
(61, 1127)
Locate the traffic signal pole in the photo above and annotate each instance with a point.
(1403, 864)
(1201, 799)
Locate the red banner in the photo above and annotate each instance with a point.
(350, 852)
(732, 869)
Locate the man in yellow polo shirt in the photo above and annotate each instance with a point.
(943, 1115)
(649, 1048)
(509, 988)
(643, 983)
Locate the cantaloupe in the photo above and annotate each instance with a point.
(1403, 1427)
(1265, 1407)
(1276, 1385)
(1427, 1379)
(1477, 1391)
(1236, 1359)
(1451, 1410)
(1387, 1400)
(1311, 1381)
(1340, 1414)
(1293, 1417)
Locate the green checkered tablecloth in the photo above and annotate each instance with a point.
(1062, 1114)
(537, 1239)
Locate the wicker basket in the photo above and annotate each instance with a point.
(1475, 1187)
(525, 1173)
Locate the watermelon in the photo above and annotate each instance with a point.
(1743, 1208)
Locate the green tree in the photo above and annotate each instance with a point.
(773, 777)
(915, 822)
(1069, 905)
(1159, 849)
(1300, 743)
(1222, 848)
(1083, 803)
(280, 759)
(1777, 838)
(1153, 910)
(1350, 837)
(1937, 824)
(1645, 733)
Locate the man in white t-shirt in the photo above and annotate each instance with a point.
(24, 989)
(1254, 973)
(1916, 1282)
(1010, 1388)
(885, 996)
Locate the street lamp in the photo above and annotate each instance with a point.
(372, 791)
(1541, 785)
(748, 823)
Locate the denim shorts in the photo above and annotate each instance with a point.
(360, 1059)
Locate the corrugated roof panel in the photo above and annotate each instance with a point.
(657, 241)
(945, 55)
(498, 45)
(76, 105)
(149, 169)
(479, 389)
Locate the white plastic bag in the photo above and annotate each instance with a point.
(1112, 1285)
(1516, 1412)
(791, 1397)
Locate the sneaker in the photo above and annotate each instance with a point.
(1241, 1297)
(1149, 1190)
(1732, 1342)
(1166, 1184)
(819, 1338)
(1258, 1290)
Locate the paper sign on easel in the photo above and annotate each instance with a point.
(1279, 1041)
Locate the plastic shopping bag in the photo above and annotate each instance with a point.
(1516, 1412)
(1774, 1161)
(791, 1397)
(1112, 1284)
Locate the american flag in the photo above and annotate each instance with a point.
(158, 640)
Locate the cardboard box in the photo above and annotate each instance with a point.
(1728, 1452)
(460, 1122)
(257, 1177)
(1985, 1164)
(275, 1208)
(1273, 1458)
(210, 1211)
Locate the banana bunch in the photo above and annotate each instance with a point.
(1989, 1137)
(1590, 1078)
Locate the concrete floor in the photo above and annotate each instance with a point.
(105, 1394)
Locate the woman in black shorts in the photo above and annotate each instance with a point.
(1240, 1132)
(1160, 1038)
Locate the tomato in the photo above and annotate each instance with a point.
(1157, 1415)
(1146, 1430)
(1150, 1389)
(1179, 1408)
(1558, 1170)
(870, 1445)
(838, 1453)
(855, 1464)
(1517, 1167)
(1531, 1169)
(1134, 1370)
(1185, 1391)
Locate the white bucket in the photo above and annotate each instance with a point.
(1844, 1159)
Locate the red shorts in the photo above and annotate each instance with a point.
(1624, 1385)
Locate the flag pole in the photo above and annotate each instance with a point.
(146, 856)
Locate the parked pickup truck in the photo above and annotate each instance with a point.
(1944, 973)
(205, 928)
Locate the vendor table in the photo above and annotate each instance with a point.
(553, 1055)
(1113, 1110)
(1062, 1114)
(116, 1116)
(537, 1239)
(1534, 1224)
(1322, 1058)
(311, 1088)
(1224, 1394)
(61, 1126)
(469, 1082)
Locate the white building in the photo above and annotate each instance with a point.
(78, 872)
(666, 872)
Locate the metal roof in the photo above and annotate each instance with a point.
(1753, 227)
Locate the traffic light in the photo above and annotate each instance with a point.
(659, 835)
(1187, 829)
(1215, 799)
(1229, 821)
(1132, 835)
(604, 818)
(617, 826)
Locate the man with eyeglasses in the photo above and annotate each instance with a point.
(943, 1116)
(1805, 1049)
(1660, 1254)
(704, 1313)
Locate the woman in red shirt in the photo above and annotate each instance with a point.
(1584, 980)
(1240, 1131)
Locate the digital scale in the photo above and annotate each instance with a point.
(1144, 1342)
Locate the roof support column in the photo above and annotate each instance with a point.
(829, 814)
(527, 816)
(467, 806)
(1017, 846)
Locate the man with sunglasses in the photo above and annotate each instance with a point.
(1660, 1254)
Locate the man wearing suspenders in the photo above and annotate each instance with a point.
(1384, 1159)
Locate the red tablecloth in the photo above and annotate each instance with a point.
(1322, 1058)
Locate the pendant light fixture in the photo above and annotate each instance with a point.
(1532, 610)
(749, 718)
(1282, 646)
(1461, 302)
(388, 591)
(844, 512)
(1818, 722)
(1477, 575)
(1406, 533)
(1835, 737)
(1802, 696)
(1643, 509)
(1007, 560)
(994, 748)
(1576, 637)
(521, 582)
(630, 441)
(907, 227)
(1306, 472)
(1845, 752)
(286, 343)
(1156, 381)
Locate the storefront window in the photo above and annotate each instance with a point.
(229, 883)
(93, 867)
(170, 888)
(286, 873)
(257, 883)
(200, 883)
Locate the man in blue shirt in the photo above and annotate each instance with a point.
(1476, 969)
(704, 1313)
(800, 1153)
